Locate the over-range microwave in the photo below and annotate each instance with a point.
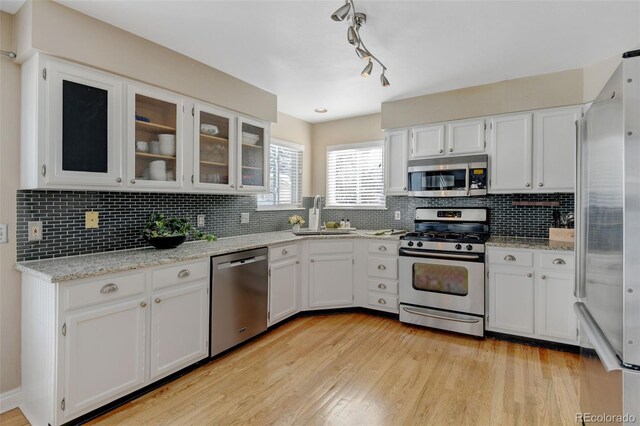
(463, 176)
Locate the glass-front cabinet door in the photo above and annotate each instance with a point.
(154, 138)
(214, 150)
(253, 154)
(84, 126)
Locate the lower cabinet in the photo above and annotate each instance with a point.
(534, 298)
(331, 280)
(284, 289)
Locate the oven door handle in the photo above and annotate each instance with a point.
(441, 316)
(441, 255)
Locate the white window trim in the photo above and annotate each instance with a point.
(280, 207)
(367, 144)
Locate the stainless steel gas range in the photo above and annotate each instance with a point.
(442, 270)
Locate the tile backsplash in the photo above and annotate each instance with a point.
(123, 214)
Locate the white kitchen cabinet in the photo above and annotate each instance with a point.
(71, 126)
(510, 300)
(511, 153)
(466, 137)
(555, 318)
(253, 155)
(396, 145)
(554, 140)
(284, 285)
(179, 327)
(427, 141)
(331, 280)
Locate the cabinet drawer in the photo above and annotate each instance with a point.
(104, 290)
(511, 257)
(383, 267)
(283, 252)
(380, 300)
(330, 247)
(556, 261)
(173, 275)
(383, 248)
(383, 286)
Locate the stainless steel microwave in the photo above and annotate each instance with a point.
(464, 176)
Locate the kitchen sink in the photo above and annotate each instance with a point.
(322, 232)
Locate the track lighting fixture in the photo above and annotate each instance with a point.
(356, 20)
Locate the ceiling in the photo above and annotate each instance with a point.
(294, 49)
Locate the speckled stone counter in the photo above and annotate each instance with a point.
(528, 243)
(91, 265)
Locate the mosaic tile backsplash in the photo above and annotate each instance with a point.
(123, 214)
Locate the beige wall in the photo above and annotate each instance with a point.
(541, 91)
(293, 129)
(349, 130)
(57, 30)
(595, 76)
(9, 180)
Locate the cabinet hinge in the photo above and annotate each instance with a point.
(64, 329)
(490, 126)
(269, 271)
(487, 319)
(44, 73)
(577, 333)
(485, 143)
(353, 261)
(193, 111)
(62, 404)
(269, 315)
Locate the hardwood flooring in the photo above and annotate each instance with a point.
(362, 369)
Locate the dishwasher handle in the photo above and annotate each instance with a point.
(242, 262)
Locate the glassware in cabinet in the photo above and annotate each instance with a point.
(214, 149)
(253, 153)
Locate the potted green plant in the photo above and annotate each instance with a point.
(165, 233)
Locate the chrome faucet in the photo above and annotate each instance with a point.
(315, 223)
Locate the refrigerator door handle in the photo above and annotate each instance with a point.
(578, 287)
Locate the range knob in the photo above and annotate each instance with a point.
(410, 243)
(469, 247)
(419, 244)
(458, 247)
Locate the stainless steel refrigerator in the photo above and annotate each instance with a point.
(608, 248)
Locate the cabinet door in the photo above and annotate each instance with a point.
(555, 318)
(154, 138)
(179, 328)
(253, 155)
(214, 150)
(104, 354)
(511, 153)
(510, 300)
(330, 281)
(395, 162)
(465, 137)
(554, 141)
(284, 287)
(84, 127)
(427, 141)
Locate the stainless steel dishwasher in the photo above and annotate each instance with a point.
(239, 287)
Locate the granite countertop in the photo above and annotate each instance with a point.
(528, 243)
(91, 265)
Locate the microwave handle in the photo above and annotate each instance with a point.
(467, 180)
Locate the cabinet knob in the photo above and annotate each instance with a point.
(382, 267)
(118, 179)
(544, 277)
(529, 275)
(158, 300)
(441, 151)
(132, 181)
(284, 252)
(382, 286)
(184, 273)
(559, 261)
(297, 262)
(312, 261)
(109, 288)
(404, 189)
(241, 186)
(527, 184)
(541, 184)
(382, 301)
(510, 258)
(232, 185)
(143, 304)
(382, 248)
(450, 149)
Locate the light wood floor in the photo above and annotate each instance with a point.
(361, 369)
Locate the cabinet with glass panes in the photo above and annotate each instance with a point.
(253, 153)
(214, 151)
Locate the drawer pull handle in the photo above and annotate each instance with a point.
(544, 277)
(143, 304)
(158, 300)
(382, 248)
(382, 268)
(109, 288)
(382, 301)
(184, 273)
(529, 275)
(284, 252)
(382, 286)
(559, 262)
(510, 258)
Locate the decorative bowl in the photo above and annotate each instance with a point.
(166, 242)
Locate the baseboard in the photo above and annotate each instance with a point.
(10, 399)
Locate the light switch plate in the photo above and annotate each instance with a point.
(244, 217)
(35, 231)
(4, 233)
(200, 220)
(91, 220)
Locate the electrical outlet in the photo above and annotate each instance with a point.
(200, 220)
(91, 220)
(244, 217)
(397, 216)
(35, 231)
(4, 233)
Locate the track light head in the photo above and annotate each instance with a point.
(363, 54)
(384, 81)
(352, 36)
(367, 70)
(342, 12)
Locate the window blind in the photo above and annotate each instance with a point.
(355, 175)
(285, 176)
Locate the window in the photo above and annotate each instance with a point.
(355, 175)
(285, 177)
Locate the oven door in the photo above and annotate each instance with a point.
(442, 280)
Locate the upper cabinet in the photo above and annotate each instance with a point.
(86, 129)
(510, 168)
(427, 141)
(465, 137)
(154, 138)
(396, 144)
